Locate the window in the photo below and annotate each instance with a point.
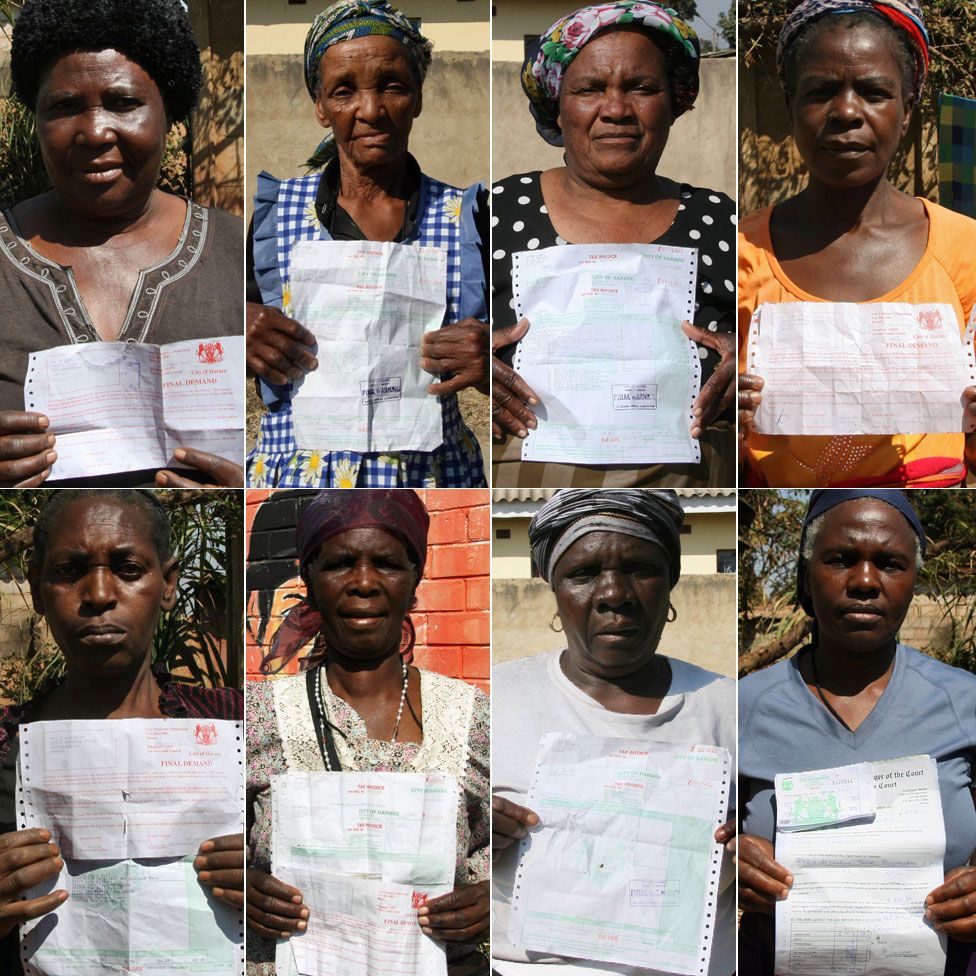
(725, 561)
(503, 533)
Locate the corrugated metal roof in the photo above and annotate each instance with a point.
(544, 494)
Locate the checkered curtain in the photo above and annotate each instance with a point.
(957, 154)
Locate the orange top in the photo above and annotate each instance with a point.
(946, 273)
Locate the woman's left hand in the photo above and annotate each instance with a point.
(725, 834)
(716, 396)
(218, 472)
(952, 906)
(459, 916)
(220, 866)
(461, 349)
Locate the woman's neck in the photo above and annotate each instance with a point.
(841, 209)
(131, 694)
(359, 680)
(639, 693)
(52, 220)
(373, 184)
(847, 674)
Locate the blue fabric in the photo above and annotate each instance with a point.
(473, 299)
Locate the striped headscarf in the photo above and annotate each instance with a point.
(542, 75)
(906, 15)
(349, 19)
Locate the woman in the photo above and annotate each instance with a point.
(359, 705)
(102, 561)
(607, 84)
(104, 255)
(611, 558)
(855, 694)
(853, 73)
(365, 66)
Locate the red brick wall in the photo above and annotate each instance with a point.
(451, 617)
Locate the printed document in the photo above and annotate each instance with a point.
(369, 304)
(114, 795)
(623, 867)
(615, 375)
(857, 904)
(126, 406)
(825, 797)
(366, 850)
(880, 368)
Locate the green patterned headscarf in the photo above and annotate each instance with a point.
(542, 76)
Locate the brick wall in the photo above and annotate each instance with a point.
(451, 617)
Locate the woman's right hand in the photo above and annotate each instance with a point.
(26, 450)
(27, 857)
(509, 822)
(763, 881)
(278, 348)
(274, 909)
(511, 396)
(750, 396)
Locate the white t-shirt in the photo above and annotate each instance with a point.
(532, 696)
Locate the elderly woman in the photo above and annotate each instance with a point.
(612, 559)
(103, 255)
(101, 570)
(608, 83)
(853, 73)
(361, 706)
(365, 66)
(855, 694)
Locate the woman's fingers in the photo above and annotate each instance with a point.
(26, 450)
(217, 472)
(509, 822)
(19, 911)
(459, 916)
(718, 393)
(220, 866)
(762, 879)
(969, 397)
(279, 349)
(727, 831)
(461, 349)
(27, 858)
(274, 909)
(952, 906)
(510, 400)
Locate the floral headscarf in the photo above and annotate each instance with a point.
(542, 76)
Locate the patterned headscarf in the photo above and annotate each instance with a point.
(906, 15)
(398, 511)
(654, 516)
(346, 20)
(542, 76)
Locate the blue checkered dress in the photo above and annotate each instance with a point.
(285, 210)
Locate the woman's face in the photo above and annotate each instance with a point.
(101, 586)
(362, 583)
(861, 578)
(102, 125)
(612, 596)
(615, 109)
(369, 98)
(848, 111)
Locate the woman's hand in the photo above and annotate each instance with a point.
(461, 349)
(952, 906)
(26, 451)
(274, 909)
(726, 833)
(459, 916)
(509, 822)
(278, 348)
(716, 396)
(217, 472)
(763, 881)
(220, 866)
(511, 396)
(750, 396)
(27, 857)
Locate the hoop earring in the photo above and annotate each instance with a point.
(552, 624)
(672, 614)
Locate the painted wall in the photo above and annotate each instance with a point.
(451, 619)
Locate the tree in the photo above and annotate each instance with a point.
(726, 24)
(685, 9)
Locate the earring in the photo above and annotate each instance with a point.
(552, 624)
(672, 614)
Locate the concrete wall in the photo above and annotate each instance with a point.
(703, 634)
(450, 139)
(701, 149)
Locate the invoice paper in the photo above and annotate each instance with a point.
(369, 304)
(857, 905)
(126, 406)
(366, 850)
(825, 796)
(615, 375)
(879, 368)
(624, 866)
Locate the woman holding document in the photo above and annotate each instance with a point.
(360, 708)
(365, 66)
(612, 559)
(856, 695)
(104, 256)
(852, 246)
(101, 570)
(607, 84)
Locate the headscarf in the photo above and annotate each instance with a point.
(654, 516)
(398, 511)
(348, 19)
(824, 499)
(542, 75)
(906, 15)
